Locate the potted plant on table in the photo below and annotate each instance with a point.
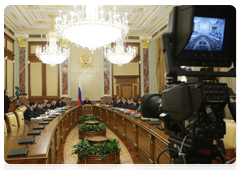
(91, 130)
(106, 153)
(90, 118)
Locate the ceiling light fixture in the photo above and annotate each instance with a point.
(120, 55)
(51, 53)
(88, 28)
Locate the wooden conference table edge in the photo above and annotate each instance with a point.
(39, 150)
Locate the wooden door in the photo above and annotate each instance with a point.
(126, 90)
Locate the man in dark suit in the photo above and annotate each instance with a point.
(30, 113)
(112, 102)
(134, 105)
(119, 101)
(129, 102)
(87, 101)
(125, 103)
(60, 102)
(38, 109)
(53, 101)
(48, 106)
(6, 103)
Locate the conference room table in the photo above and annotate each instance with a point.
(146, 139)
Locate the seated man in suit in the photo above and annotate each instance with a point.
(125, 103)
(119, 101)
(139, 108)
(87, 101)
(38, 109)
(44, 106)
(53, 101)
(48, 106)
(61, 102)
(129, 102)
(30, 113)
(112, 102)
(134, 105)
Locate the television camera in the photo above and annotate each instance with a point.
(193, 111)
(17, 94)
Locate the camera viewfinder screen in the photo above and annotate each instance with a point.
(208, 34)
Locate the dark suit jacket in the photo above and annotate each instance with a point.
(6, 103)
(113, 104)
(52, 106)
(125, 105)
(28, 114)
(134, 107)
(87, 102)
(38, 111)
(119, 104)
(62, 104)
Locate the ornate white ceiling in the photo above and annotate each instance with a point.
(30, 19)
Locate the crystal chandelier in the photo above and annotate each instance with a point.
(87, 27)
(119, 56)
(51, 53)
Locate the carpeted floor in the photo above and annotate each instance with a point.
(72, 139)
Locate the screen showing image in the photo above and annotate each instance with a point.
(208, 34)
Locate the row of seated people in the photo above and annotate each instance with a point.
(131, 104)
(41, 109)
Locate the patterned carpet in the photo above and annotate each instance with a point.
(72, 139)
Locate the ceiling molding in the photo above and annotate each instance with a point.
(147, 17)
(23, 15)
(158, 23)
(5, 15)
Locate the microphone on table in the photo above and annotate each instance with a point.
(35, 132)
(18, 152)
(36, 127)
(23, 141)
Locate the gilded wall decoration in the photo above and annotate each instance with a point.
(85, 60)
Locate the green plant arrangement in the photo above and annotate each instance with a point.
(90, 118)
(88, 127)
(83, 148)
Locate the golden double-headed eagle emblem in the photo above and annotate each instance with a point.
(85, 60)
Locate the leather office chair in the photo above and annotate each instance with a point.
(5, 127)
(11, 119)
(20, 117)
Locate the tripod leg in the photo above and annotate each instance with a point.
(222, 151)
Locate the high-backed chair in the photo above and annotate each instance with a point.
(11, 119)
(20, 117)
(5, 127)
(230, 137)
(22, 108)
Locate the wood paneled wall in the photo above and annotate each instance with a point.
(9, 59)
(43, 81)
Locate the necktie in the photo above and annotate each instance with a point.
(123, 104)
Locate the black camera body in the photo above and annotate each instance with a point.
(19, 93)
(193, 112)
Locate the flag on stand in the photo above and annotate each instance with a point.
(79, 93)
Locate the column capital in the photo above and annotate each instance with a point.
(22, 42)
(145, 43)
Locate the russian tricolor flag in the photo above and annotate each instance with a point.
(79, 93)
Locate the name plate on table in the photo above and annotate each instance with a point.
(35, 132)
(39, 127)
(47, 119)
(44, 123)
